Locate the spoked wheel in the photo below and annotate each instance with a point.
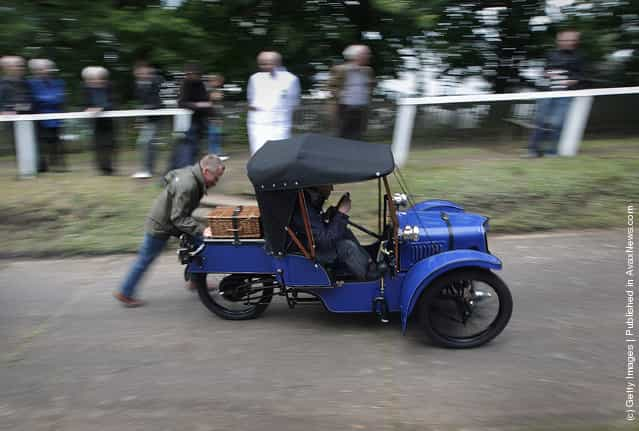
(237, 296)
(465, 308)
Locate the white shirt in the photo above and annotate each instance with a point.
(356, 91)
(274, 96)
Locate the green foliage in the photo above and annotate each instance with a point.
(225, 35)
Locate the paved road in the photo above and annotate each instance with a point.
(72, 359)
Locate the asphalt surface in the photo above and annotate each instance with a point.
(73, 359)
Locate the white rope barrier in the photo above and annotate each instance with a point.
(530, 95)
(572, 130)
(100, 114)
(25, 139)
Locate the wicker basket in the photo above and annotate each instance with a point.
(235, 222)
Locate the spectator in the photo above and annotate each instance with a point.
(48, 97)
(563, 71)
(214, 84)
(273, 93)
(15, 92)
(147, 92)
(171, 216)
(193, 96)
(351, 86)
(97, 90)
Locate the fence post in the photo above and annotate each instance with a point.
(182, 122)
(573, 130)
(26, 149)
(403, 133)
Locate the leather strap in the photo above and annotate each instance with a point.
(307, 225)
(451, 238)
(297, 242)
(235, 218)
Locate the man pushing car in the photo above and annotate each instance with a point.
(171, 215)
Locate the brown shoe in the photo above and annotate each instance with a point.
(127, 301)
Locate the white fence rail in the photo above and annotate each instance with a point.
(25, 139)
(571, 134)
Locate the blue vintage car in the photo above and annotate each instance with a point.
(433, 256)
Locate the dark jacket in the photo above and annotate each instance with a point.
(326, 233)
(191, 92)
(148, 93)
(48, 97)
(15, 95)
(171, 211)
(98, 97)
(569, 63)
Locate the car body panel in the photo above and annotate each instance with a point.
(248, 257)
(357, 297)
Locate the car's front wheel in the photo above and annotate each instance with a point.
(237, 296)
(465, 308)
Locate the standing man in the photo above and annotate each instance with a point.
(193, 96)
(15, 92)
(563, 71)
(98, 98)
(48, 97)
(215, 84)
(147, 92)
(351, 86)
(273, 93)
(171, 216)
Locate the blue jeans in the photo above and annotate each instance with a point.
(151, 247)
(145, 144)
(192, 140)
(549, 121)
(215, 139)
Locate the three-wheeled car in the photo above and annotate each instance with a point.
(432, 256)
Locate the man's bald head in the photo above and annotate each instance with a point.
(13, 66)
(357, 54)
(268, 60)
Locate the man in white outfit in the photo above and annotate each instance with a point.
(273, 93)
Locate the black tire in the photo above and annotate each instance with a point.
(234, 309)
(441, 296)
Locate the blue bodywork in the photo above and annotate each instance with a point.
(447, 238)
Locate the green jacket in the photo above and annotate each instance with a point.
(171, 211)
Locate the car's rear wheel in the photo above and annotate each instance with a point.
(237, 296)
(465, 308)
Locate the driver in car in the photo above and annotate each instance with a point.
(335, 244)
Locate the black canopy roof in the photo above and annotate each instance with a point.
(312, 160)
(281, 168)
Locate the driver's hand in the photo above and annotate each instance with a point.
(345, 205)
(207, 232)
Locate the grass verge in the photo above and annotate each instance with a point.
(82, 213)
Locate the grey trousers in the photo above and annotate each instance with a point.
(349, 253)
(354, 257)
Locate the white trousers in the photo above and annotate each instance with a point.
(259, 134)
